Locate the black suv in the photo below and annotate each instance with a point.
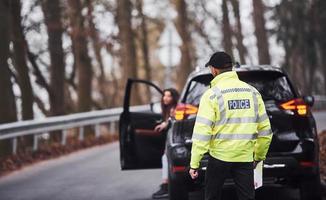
(292, 159)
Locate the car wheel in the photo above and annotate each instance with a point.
(310, 189)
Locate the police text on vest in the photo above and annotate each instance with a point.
(239, 104)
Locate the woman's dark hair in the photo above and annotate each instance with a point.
(166, 108)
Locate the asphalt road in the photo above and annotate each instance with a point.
(94, 174)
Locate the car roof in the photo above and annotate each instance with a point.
(205, 70)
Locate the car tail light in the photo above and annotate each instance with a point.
(296, 105)
(182, 111)
(178, 169)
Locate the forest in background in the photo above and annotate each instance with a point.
(65, 56)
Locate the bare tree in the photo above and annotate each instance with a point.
(319, 7)
(20, 63)
(7, 100)
(260, 32)
(182, 22)
(19, 54)
(52, 13)
(82, 59)
(144, 40)
(126, 36)
(238, 32)
(128, 48)
(227, 31)
(52, 16)
(97, 46)
(300, 42)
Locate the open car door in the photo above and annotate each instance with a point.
(140, 146)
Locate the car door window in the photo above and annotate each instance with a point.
(144, 94)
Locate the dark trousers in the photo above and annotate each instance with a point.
(241, 172)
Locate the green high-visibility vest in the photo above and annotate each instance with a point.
(231, 123)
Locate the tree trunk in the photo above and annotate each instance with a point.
(312, 52)
(238, 32)
(128, 48)
(52, 13)
(144, 46)
(298, 31)
(227, 31)
(52, 16)
(82, 59)
(260, 32)
(7, 101)
(20, 63)
(19, 44)
(320, 6)
(144, 40)
(186, 64)
(97, 46)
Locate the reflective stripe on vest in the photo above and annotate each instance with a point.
(220, 101)
(204, 120)
(224, 136)
(234, 120)
(235, 136)
(265, 132)
(238, 120)
(201, 137)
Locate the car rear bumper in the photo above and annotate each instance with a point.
(285, 170)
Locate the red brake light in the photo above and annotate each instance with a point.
(308, 164)
(296, 105)
(178, 169)
(182, 111)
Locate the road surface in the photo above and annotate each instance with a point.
(94, 174)
(320, 120)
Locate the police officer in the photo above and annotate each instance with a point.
(233, 127)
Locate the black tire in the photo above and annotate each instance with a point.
(310, 188)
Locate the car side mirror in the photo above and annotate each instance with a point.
(309, 100)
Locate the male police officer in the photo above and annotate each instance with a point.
(233, 127)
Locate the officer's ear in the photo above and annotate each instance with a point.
(215, 71)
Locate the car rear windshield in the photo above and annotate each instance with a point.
(271, 85)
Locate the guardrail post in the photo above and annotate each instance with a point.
(14, 145)
(97, 130)
(81, 133)
(35, 142)
(112, 127)
(64, 137)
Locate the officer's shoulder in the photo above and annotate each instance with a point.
(254, 90)
(208, 93)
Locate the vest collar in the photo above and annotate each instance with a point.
(224, 76)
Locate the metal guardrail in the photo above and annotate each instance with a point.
(79, 120)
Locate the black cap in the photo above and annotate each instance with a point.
(220, 60)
